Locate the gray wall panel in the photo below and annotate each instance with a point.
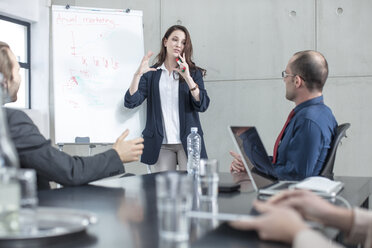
(350, 100)
(243, 39)
(64, 2)
(346, 38)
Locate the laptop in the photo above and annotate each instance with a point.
(256, 161)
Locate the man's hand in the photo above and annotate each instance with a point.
(276, 223)
(237, 164)
(128, 150)
(313, 207)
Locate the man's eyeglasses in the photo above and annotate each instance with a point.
(284, 75)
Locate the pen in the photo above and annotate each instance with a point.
(179, 63)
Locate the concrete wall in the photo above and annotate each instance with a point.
(26, 10)
(245, 45)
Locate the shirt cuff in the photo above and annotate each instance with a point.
(362, 224)
(309, 238)
(116, 163)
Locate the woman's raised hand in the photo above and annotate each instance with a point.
(144, 66)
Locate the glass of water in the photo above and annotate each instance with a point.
(28, 201)
(9, 201)
(174, 201)
(208, 180)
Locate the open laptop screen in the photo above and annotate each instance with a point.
(253, 153)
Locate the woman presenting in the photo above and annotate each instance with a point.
(175, 94)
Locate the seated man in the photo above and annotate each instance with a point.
(301, 148)
(36, 152)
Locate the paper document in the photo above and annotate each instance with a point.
(320, 184)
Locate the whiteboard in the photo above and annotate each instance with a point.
(95, 54)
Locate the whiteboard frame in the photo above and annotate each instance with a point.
(78, 9)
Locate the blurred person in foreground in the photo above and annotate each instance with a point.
(283, 219)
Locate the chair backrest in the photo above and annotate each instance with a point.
(327, 170)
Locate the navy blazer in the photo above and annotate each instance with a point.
(188, 110)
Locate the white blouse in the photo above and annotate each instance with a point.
(168, 87)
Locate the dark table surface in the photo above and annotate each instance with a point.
(127, 214)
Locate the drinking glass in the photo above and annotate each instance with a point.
(174, 201)
(28, 201)
(208, 180)
(9, 201)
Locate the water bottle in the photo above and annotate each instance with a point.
(193, 151)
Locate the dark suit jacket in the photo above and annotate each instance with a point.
(36, 152)
(189, 110)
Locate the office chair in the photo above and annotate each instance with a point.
(327, 170)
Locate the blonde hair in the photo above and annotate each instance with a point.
(6, 66)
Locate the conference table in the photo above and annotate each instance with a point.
(127, 214)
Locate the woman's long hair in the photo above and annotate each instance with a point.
(160, 58)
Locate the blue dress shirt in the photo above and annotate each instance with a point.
(303, 149)
(306, 141)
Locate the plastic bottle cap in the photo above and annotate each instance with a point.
(194, 129)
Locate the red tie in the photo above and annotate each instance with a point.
(291, 114)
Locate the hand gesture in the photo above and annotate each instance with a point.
(184, 67)
(237, 164)
(144, 66)
(128, 150)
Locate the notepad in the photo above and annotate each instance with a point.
(320, 184)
